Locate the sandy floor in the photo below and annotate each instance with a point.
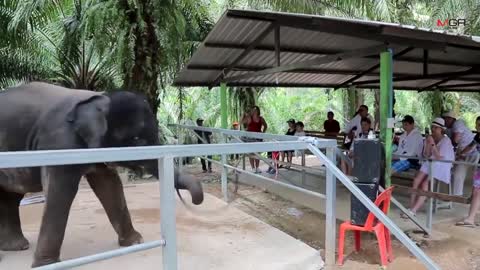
(219, 237)
(452, 248)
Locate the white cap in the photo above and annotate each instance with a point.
(439, 122)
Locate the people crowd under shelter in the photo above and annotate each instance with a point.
(449, 139)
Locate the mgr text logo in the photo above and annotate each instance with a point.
(453, 22)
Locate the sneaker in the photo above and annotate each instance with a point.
(204, 170)
(257, 170)
(210, 170)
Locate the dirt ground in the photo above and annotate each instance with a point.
(453, 248)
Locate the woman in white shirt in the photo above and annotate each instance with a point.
(437, 146)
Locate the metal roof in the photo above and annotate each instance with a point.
(254, 48)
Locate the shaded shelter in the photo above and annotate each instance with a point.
(274, 49)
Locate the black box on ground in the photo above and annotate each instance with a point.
(358, 212)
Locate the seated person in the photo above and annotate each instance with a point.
(299, 129)
(331, 126)
(352, 128)
(469, 221)
(363, 134)
(437, 146)
(410, 144)
(291, 131)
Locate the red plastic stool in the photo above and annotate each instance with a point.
(373, 225)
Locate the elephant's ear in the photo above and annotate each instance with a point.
(89, 119)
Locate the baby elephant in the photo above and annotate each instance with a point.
(41, 116)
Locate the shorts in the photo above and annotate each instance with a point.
(401, 165)
(476, 179)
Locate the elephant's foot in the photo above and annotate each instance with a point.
(132, 239)
(37, 262)
(13, 243)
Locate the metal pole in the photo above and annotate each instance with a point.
(430, 200)
(101, 256)
(224, 108)
(223, 104)
(330, 230)
(386, 109)
(180, 142)
(396, 231)
(224, 178)
(304, 177)
(167, 212)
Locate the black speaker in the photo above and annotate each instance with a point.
(368, 161)
(358, 212)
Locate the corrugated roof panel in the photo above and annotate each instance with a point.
(237, 31)
(304, 37)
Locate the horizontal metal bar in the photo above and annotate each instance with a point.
(275, 182)
(96, 155)
(101, 256)
(438, 160)
(399, 234)
(322, 143)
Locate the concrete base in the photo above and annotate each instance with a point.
(215, 237)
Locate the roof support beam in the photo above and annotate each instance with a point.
(425, 62)
(376, 66)
(247, 50)
(451, 86)
(323, 52)
(430, 76)
(277, 44)
(309, 63)
(451, 77)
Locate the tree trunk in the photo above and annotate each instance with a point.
(143, 75)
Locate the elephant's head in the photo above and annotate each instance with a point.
(130, 122)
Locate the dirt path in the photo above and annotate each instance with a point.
(453, 248)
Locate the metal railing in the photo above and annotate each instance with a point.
(431, 208)
(166, 155)
(333, 172)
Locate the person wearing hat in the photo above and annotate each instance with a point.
(204, 137)
(410, 143)
(291, 131)
(469, 221)
(463, 140)
(438, 147)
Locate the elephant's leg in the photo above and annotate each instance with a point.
(107, 185)
(60, 184)
(11, 236)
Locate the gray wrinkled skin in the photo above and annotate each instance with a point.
(40, 116)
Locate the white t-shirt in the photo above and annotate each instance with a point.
(301, 133)
(441, 170)
(411, 144)
(355, 122)
(466, 135)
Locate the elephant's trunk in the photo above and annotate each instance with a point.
(187, 182)
(182, 181)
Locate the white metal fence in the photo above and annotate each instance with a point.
(165, 156)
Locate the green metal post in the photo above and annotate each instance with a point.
(224, 110)
(386, 109)
(223, 104)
